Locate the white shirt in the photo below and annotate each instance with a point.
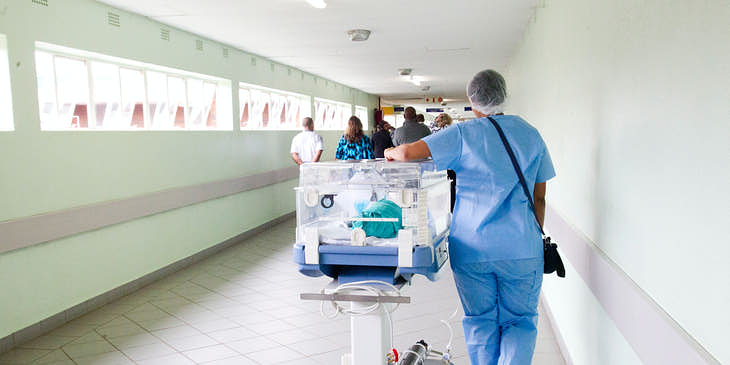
(306, 144)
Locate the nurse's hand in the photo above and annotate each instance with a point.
(389, 154)
(408, 152)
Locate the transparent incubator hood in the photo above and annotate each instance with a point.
(372, 203)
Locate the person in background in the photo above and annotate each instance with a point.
(390, 129)
(420, 118)
(381, 139)
(411, 130)
(354, 144)
(307, 145)
(495, 243)
(442, 121)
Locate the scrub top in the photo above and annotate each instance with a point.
(492, 217)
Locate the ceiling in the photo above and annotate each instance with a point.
(444, 42)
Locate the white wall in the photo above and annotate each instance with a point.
(633, 100)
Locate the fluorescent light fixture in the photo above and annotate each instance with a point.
(319, 4)
(415, 80)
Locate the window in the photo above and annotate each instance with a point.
(6, 102)
(263, 108)
(362, 113)
(84, 90)
(332, 115)
(395, 120)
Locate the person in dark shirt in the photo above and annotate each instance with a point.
(381, 139)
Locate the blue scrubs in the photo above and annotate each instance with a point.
(495, 245)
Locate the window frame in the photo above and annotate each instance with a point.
(319, 124)
(250, 90)
(223, 88)
(360, 110)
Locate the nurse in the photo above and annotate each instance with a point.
(495, 242)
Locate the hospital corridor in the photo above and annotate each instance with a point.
(341, 182)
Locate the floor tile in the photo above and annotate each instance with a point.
(246, 297)
(88, 349)
(48, 342)
(149, 351)
(238, 360)
(22, 356)
(547, 359)
(231, 335)
(216, 325)
(140, 339)
(191, 343)
(333, 357)
(176, 332)
(121, 330)
(110, 358)
(173, 359)
(273, 326)
(275, 356)
(160, 323)
(292, 336)
(255, 344)
(57, 357)
(315, 347)
(72, 330)
(211, 353)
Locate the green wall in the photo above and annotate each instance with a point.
(49, 171)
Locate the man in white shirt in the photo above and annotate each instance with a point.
(307, 145)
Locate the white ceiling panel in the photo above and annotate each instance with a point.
(444, 42)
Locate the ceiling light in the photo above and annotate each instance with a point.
(358, 35)
(415, 80)
(319, 4)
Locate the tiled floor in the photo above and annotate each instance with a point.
(241, 307)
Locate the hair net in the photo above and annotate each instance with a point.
(487, 91)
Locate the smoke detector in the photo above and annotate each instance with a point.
(404, 71)
(358, 35)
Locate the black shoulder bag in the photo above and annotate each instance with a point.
(553, 262)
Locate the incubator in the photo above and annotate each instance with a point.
(372, 220)
(371, 225)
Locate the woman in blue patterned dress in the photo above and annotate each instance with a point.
(354, 144)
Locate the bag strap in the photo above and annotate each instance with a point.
(516, 165)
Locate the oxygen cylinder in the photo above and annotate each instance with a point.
(415, 355)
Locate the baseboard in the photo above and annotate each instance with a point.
(46, 325)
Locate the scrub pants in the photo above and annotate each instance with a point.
(500, 305)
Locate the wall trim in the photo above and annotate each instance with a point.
(33, 331)
(29, 231)
(652, 333)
